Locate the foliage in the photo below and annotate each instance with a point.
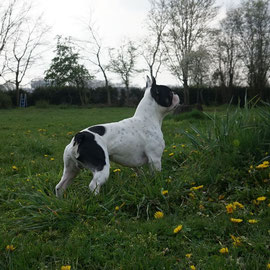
(175, 219)
(65, 70)
(5, 100)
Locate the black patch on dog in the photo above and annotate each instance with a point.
(162, 94)
(90, 153)
(100, 130)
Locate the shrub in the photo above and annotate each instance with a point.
(5, 100)
(42, 104)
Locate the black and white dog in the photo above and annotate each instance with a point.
(131, 142)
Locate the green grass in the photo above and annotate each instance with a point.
(214, 151)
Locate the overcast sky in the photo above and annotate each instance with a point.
(114, 19)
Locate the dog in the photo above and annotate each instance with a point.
(131, 142)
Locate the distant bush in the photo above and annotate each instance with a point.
(5, 100)
(42, 104)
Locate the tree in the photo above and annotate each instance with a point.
(227, 52)
(25, 43)
(96, 51)
(66, 70)
(188, 26)
(251, 22)
(122, 62)
(152, 49)
(12, 14)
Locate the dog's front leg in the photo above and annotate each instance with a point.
(154, 163)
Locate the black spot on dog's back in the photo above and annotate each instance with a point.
(100, 130)
(90, 153)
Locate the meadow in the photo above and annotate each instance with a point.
(209, 208)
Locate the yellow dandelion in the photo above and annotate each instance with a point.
(224, 250)
(165, 192)
(260, 199)
(174, 146)
(183, 145)
(196, 188)
(192, 267)
(52, 159)
(10, 248)
(236, 240)
(45, 155)
(65, 267)
(158, 215)
(171, 154)
(237, 204)
(221, 197)
(268, 266)
(116, 170)
(15, 168)
(188, 255)
(252, 221)
(230, 208)
(236, 220)
(117, 208)
(178, 229)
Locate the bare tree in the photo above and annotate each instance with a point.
(252, 25)
(188, 26)
(123, 62)
(152, 50)
(96, 50)
(12, 13)
(26, 41)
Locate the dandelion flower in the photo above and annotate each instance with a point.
(165, 192)
(236, 220)
(236, 240)
(65, 267)
(230, 208)
(171, 154)
(178, 229)
(238, 204)
(188, 255)
(192, 267)
(268, 266)
(52, 159)
(14, 168)
(10, 248)
(260, 199)
(117, 208)
(196, 188)
(159, 214)
(252, 221)
(116, 170)
(174, 146)
(224, 250)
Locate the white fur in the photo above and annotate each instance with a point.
(131, 142)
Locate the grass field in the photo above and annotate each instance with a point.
(208, 209)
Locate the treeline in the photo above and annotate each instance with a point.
(45, 96)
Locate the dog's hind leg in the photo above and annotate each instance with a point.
(70, 171)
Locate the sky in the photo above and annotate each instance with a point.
(114, 20)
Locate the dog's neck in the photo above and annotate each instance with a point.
(148, 109)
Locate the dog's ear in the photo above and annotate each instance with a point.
(148, 82)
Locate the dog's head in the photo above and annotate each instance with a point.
(163, 95)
